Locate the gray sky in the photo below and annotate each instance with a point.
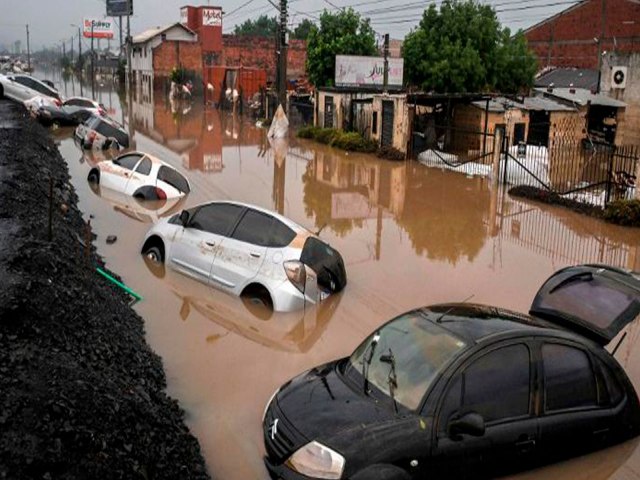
(50, 20)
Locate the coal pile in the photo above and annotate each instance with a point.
(81, 393)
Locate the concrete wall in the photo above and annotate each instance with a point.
(629, 130)
(401, 120)
(567, 39)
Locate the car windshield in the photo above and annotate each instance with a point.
(404, 357)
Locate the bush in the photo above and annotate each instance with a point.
(350, 141)
(623, 212)
(308, 132)
(326, 135)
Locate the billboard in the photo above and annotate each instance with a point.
(354, 71)
(119, 8)
(211, 17)
(97, 28)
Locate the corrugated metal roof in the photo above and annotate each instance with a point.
(500, 104)
(154, 32)
(581, 97)
(569, 77)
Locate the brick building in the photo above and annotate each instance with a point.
(579, 35)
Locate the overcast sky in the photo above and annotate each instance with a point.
(50, 20)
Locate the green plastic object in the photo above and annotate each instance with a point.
(120, 284)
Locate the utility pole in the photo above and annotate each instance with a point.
(120, 27)
(64, 49)
(603, 23)
(93, 95)
(71, 43)
(282, 59)
(28, 49)
(385, 77)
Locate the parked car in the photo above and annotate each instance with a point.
(248, 251)
(21, 87)
(101, 133)
(140, 175)
(73, 111)
(461, 390)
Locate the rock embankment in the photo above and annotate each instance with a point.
(82, 396)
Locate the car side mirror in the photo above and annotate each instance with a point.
(469, 424)
(184, 218)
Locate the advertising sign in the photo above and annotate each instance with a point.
(184, 15)
(119, 8)
(97, 28)
(354, 71)
(211, 17)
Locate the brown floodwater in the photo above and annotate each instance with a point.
(410, 236)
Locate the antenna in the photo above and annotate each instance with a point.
(439, 319)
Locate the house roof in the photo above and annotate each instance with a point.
(147, 35)
(581, 97)
(500, 104)
(569, 77)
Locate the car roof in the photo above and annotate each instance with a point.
(288, 222)
(476, 323)
(150, 157)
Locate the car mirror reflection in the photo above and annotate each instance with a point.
(469, 424)
(184, 218)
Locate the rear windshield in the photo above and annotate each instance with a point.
(103, 128)
(174, 179)
(326, 262)
(594, 301)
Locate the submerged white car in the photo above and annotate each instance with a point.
(140, 175)
(248, 251)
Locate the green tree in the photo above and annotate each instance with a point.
(340, 33)
(463, 48)
(263, 26)
(302, 31)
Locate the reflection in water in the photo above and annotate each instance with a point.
(294, 332)
(145, 211)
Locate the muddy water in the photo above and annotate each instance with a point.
(410, 236)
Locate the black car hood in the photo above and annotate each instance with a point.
(320, 405)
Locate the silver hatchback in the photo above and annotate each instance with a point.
(248, 251)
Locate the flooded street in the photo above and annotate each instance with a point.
(409, 235)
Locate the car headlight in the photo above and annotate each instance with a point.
(317, 461)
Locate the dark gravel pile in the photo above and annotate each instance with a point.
(81, 393)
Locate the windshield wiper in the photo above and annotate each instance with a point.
(366, 361)
(392, 379)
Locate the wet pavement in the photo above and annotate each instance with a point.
(410, 236)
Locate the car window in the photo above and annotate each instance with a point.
(568, 378)
(128, 161)
(24, 81)
(507, 371)
(173, 178)
(281, 235)
(144, 167)
(614, 392)
(217, 218)
(254, 228)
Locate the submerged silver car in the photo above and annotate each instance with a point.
(248, 251)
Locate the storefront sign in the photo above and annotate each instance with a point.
(355, 71)
(97, 28)
(211, 17)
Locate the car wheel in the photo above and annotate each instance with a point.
(154, 253)
(257, 300)
(94, 176)
(382, 472)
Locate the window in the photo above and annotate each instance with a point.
(254, 228)
(145, 167)
(614, 391)
(173, 178)
(496, 385)
(216, 218)
(568, 377)
(128, 161)
(73, 103)
(281, 235)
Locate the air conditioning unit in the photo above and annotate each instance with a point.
(619, 77)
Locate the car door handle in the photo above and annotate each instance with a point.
(210, 244)
(525, 444)
(255, 255)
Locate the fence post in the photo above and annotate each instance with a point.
(607, 196)
(635, 154)
(497, 153)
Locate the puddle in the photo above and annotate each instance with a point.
(409, 235)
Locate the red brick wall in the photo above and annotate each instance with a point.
(567, 40)
(261, 53)
(170, 54)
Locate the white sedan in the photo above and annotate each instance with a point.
(21, 87)
(141, 176)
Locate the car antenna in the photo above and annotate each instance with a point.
(619, 343)
(439, 319)
(317, 233)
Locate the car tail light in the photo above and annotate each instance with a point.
(57, 102)
(91, 137)
(160, 194)
(102, 112)
(296, 273)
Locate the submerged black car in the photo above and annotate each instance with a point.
(462, 390)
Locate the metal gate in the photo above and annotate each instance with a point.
(387, 123)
